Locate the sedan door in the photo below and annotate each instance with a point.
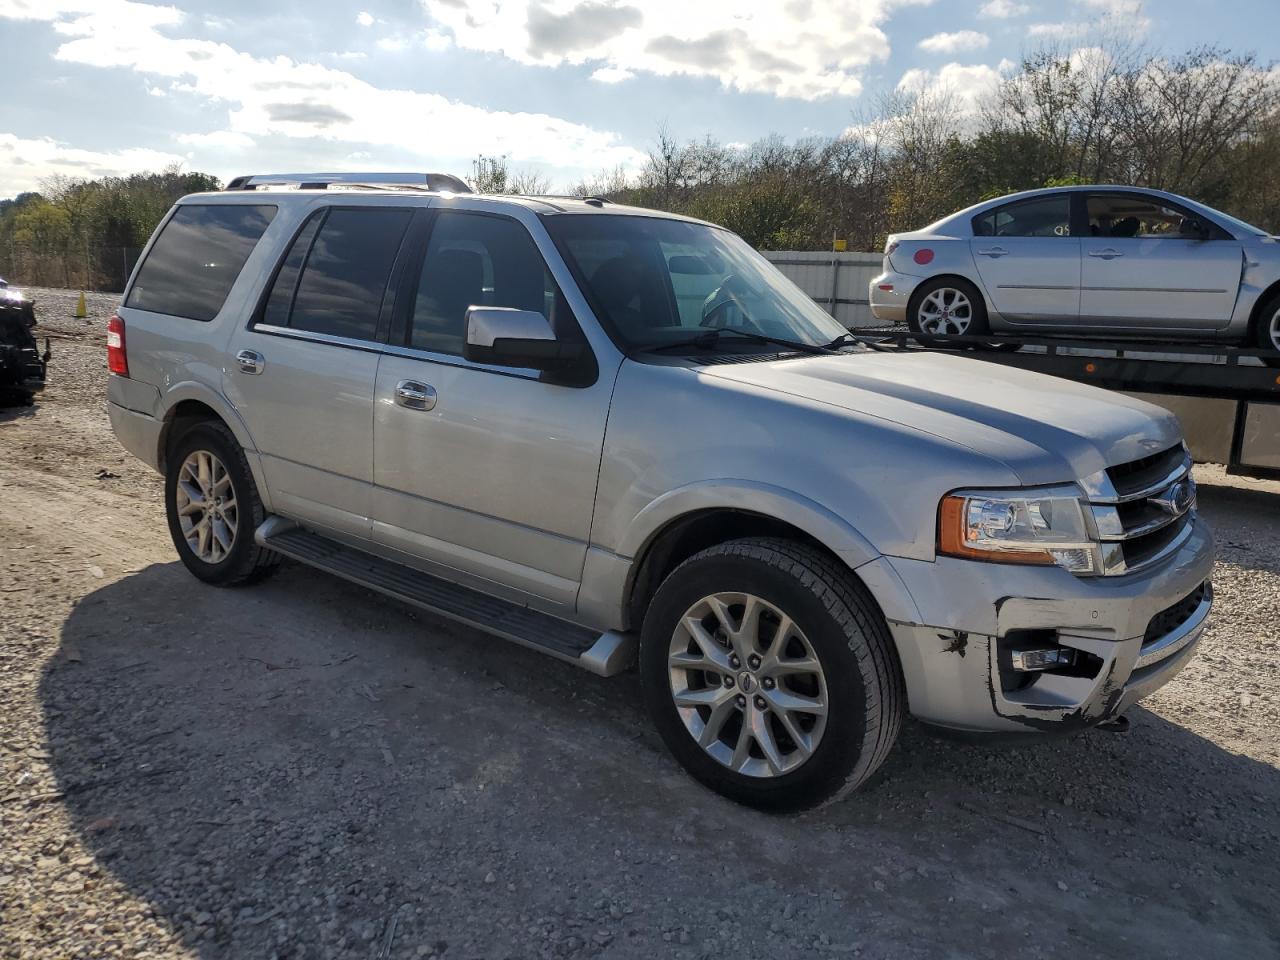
(302, 374)
(1028, 260)
(1146, 267)
(489, 472)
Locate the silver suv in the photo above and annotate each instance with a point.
(616, 435)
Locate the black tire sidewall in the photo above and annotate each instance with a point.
(978, 325)
(1261, 335)
(240, 557)
(839, 751)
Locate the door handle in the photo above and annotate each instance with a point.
(1107, 254)
(995, 252)
(415, 395)
(250, 361)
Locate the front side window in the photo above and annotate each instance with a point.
(1038, 217)
(335, 275)
(197, 257)
(1124, 215)
(654, 282)
(475, 260)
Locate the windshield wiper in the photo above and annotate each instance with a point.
(849, 339)
(709, 339)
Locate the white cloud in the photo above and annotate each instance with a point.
(364, 18)
(612, 75)
(968, 85)
(25, 162)
(955, 42)
(217, 138)
(283, 98)
(790, 48)
(1057, 31)
(1003, 9)
(392, 44)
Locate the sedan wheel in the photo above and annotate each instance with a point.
(945, 310)
(747, 684)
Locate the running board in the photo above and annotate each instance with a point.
(604, 654)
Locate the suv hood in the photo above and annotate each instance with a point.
(1045, 429)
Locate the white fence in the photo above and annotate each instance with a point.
(837, 282)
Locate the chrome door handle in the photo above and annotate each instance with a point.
(415, 395)
(1107, 254)
(250, 361)
(993, 252)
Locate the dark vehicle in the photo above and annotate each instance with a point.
(22, 366)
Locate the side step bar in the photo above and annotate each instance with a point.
(604, 654)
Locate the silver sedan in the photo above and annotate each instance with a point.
(1091, 261)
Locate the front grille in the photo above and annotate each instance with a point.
(1133, 509)
(1171, 618)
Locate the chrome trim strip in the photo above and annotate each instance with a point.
(1150, 290)
(1178, 638)
(1111, 529)
(369, 346)
(1102, 490)
(1123, 566)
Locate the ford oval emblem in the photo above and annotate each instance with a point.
(1178, 498)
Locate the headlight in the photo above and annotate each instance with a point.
(1045, 526)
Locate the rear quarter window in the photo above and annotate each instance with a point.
(197, 257)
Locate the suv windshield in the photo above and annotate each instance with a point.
(655, 282)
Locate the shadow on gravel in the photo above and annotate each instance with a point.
(302, 769)
(14, 406)
(1238, 516)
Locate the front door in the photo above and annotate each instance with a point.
(1028, 260)
(488, 472)
(302, 374)
(1141, 270)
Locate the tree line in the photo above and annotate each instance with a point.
(1205, 124)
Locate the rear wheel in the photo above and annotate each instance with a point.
(946, 306)
(214, 508)
(770, 674)
(1266, 330)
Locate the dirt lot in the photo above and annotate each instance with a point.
(304, 769)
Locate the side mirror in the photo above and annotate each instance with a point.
(507, 337)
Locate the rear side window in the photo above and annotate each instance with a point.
(1039, 217)
(335, 275)
(197, 257)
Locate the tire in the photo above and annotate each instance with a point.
(1266, 330)
(227, 560)
(922, 310)
(836, 623)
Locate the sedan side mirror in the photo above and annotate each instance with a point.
(508, 337)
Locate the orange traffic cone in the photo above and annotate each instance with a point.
(82, 309)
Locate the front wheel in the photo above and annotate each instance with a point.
(1266, 333)
(770, 674)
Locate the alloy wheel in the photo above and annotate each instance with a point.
(945, 311)
(206, 505)
(1273, 330)
(747, 684)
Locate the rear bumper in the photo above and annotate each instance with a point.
(956, 658)
(139, 433)
(890, 305)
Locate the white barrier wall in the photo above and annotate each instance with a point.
(837, 282)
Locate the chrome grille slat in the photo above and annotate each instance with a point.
(1133, 533)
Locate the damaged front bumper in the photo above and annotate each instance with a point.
(965, 655)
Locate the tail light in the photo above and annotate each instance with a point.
(889, 247)
(117, 359)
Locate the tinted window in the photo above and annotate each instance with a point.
(344, 276)
(1125, 215)
(280, 301)
(197, 257)
(473, 261)
(1040, 217)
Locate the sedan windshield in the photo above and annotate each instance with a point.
(656, 282)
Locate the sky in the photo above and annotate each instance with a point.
(564, 88)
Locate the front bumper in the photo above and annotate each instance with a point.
(956, 654)
(890, 304)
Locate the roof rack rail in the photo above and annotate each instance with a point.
(322, 181)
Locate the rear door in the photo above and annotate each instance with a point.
(1029, 261)
(1141, 271)
(494, 475)
(302, 373)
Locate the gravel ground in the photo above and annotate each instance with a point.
(304, 769)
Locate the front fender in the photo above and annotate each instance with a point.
(829, 529)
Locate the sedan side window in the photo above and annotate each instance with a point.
(476, 260)
(1037, 217)
(1124, 215)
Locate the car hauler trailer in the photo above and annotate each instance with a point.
(1227, 398)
